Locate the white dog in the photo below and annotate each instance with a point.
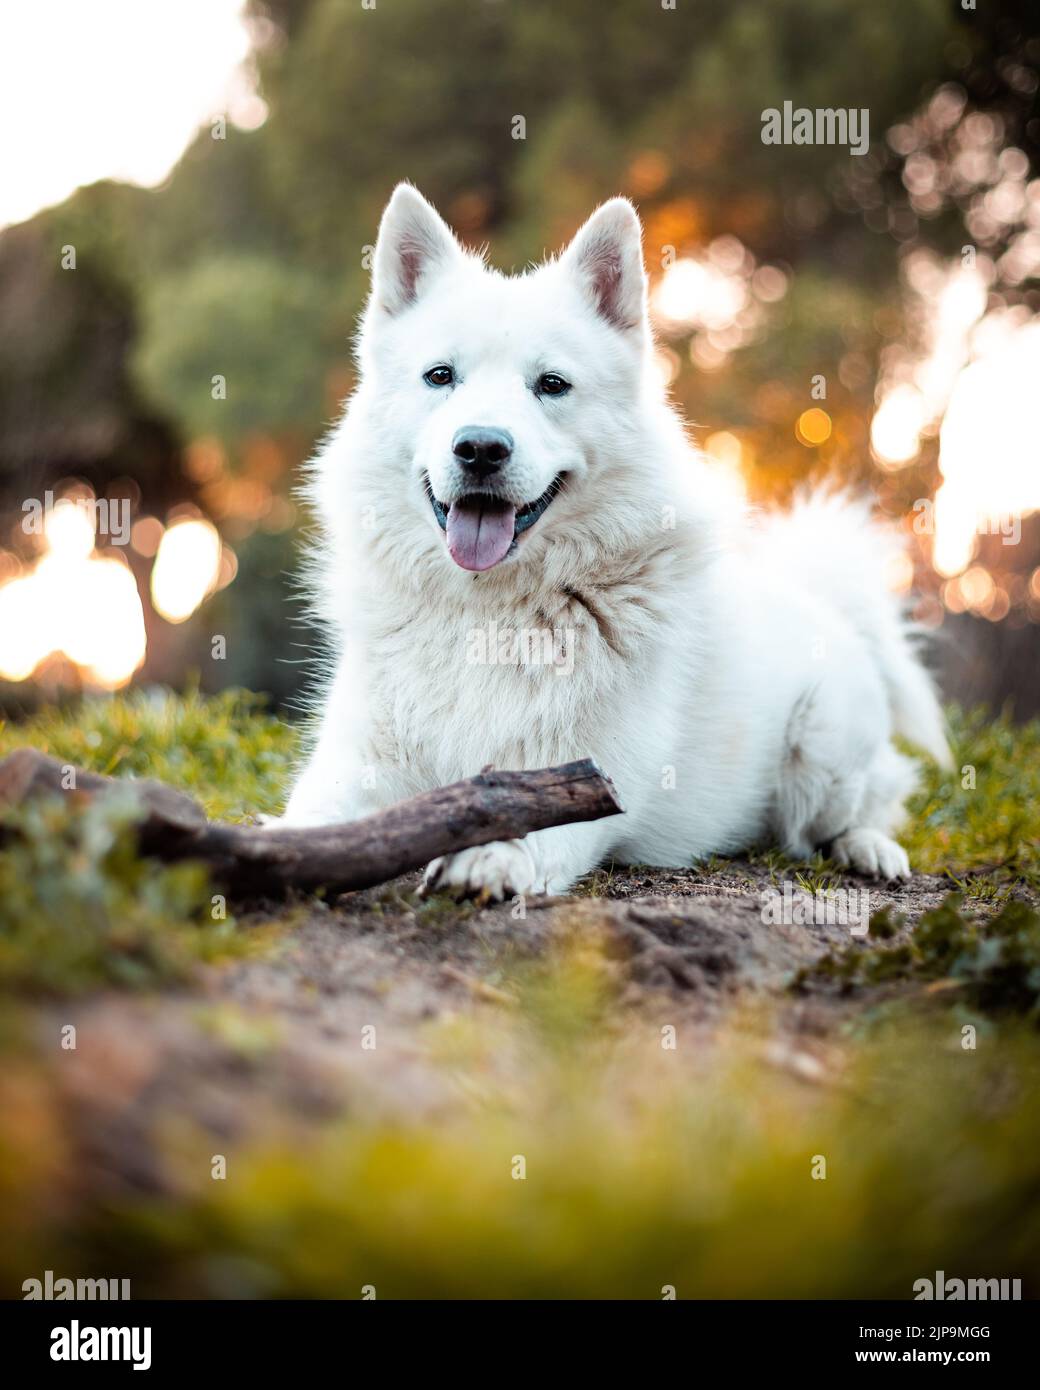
(524, 562)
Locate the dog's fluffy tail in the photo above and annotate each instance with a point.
(847, 558)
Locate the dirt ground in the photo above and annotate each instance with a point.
(276, 1038)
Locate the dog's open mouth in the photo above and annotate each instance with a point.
(482, 529)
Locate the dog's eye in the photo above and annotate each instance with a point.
(552, 384)
(439, 376)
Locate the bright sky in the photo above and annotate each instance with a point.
(93, 89)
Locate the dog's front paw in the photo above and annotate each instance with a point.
(871, 852)
(491, 873)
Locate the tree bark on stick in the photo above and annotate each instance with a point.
(266, 860)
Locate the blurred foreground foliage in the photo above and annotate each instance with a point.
(643, 1169)
(81, 910)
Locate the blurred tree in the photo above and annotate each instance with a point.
(68, 403)
(234, 343)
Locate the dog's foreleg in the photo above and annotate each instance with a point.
(327, 792)
(337, 784)
(344, 776)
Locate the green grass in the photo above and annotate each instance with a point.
(815, 875)
(981, 822)
(226, 750)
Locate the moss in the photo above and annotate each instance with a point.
(992, 965)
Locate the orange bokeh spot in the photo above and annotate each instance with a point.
(813, 426)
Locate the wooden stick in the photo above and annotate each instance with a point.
(28, 773)
(254, 860)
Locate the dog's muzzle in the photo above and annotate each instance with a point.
(482, 529)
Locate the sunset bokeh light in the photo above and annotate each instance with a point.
(83, 604)
(187, 566)
(73, 602)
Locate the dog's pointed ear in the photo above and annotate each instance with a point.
(607, 257)
(414, 242)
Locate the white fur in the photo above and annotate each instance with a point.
(739, 678)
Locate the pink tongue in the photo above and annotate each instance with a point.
(480, 531)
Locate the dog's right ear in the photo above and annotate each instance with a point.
(414, 242)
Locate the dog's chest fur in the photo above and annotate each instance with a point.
(456, 682)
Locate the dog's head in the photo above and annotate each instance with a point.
(497, 396)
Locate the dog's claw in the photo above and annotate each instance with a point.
(431, 878)
(487, 873)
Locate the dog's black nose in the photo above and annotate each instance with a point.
(481, 449)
